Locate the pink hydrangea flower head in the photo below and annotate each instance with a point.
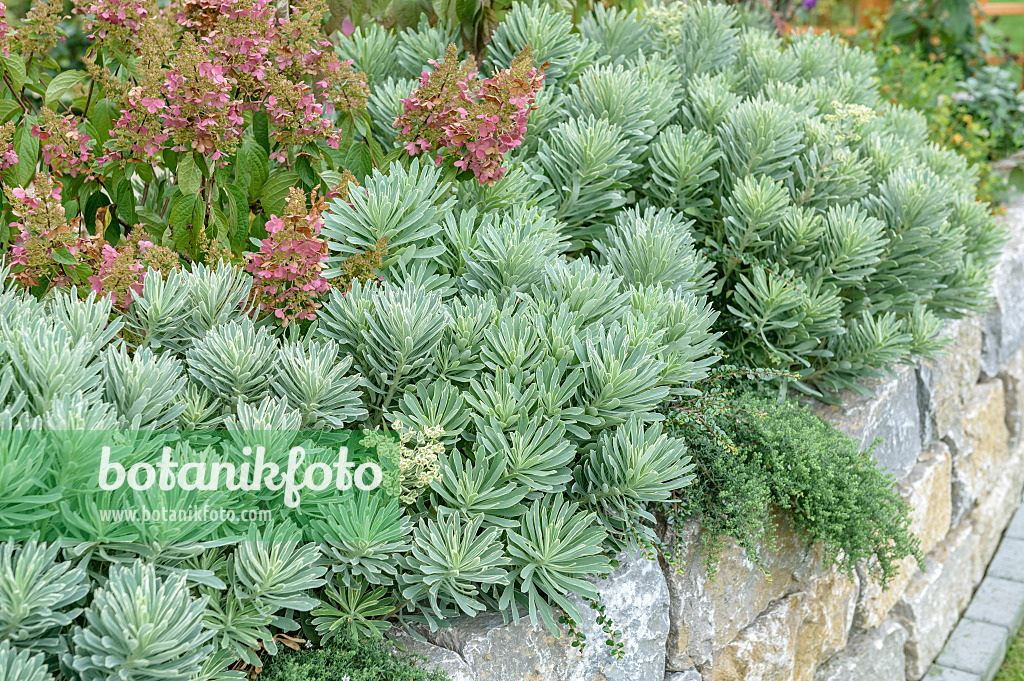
(474, 122)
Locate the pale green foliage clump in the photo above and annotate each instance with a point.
(837, 237)
(140, 616)
(21, 665)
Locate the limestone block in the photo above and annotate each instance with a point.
(1003, 326)
(892, 414)
(634, 596)
(707, 613)
(927, 491)
(945, 382)
(1013, 384)
(993, 513)
(437, 658)
(872, 655)
(689, 675)
(980, 446)
(794, 636)
(934, 599)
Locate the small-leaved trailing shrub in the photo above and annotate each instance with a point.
(358, 661)
(781, 456)
(504, 312)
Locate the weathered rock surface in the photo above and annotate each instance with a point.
(893, 415)
(1003, 326)
(635, 597)
(794, 636)
(708, 613)
(437, 658)
(688, 675)
(1013, 385)
(979, 446)
(944, 382)
(873, 655)
(927, 491)
(993, 513)
(934, 599)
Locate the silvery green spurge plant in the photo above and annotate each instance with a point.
(836, 236)
(538, 377)
(686, 188)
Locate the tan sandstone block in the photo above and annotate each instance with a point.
(1013, 384)
(933, 601)
(707, 613)
(980, 446)
(947, 380)
(927, 491)
(794, 636)
(993, 513)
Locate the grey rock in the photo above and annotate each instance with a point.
(794, 636)
(635, 598)
(1013, 384)
(991, 516)
(979, 446)
(892, 414)
(873, 655)
(1003, 326)
(690, 674)
(945, 383)
(708, 613)
(977, 647)
(998, 601)
(932, 603)
(437, 658)
(1009, 561)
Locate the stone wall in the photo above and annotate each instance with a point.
(951, 433)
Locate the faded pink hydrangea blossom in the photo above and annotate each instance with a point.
(121, 271)
(8, 157)
(5, 31)
(118, 19)
(288, 268)
(475, 122)
(237, 57)
(65, 149)
(43, 231)
(200, 111)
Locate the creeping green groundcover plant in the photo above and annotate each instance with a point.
(686, 189)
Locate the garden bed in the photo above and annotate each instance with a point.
(505, 347)
(958, 422)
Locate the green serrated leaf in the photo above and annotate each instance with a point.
(126, 202)
(102, 117)
(238, 218)
(181, 211)
(63, 256)
(14, 67)
(306, 172)
(190, 177)
(59, 86)
(261, 130)
(8, 107)
(275, 191)
(26, 145)
(253, 168)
